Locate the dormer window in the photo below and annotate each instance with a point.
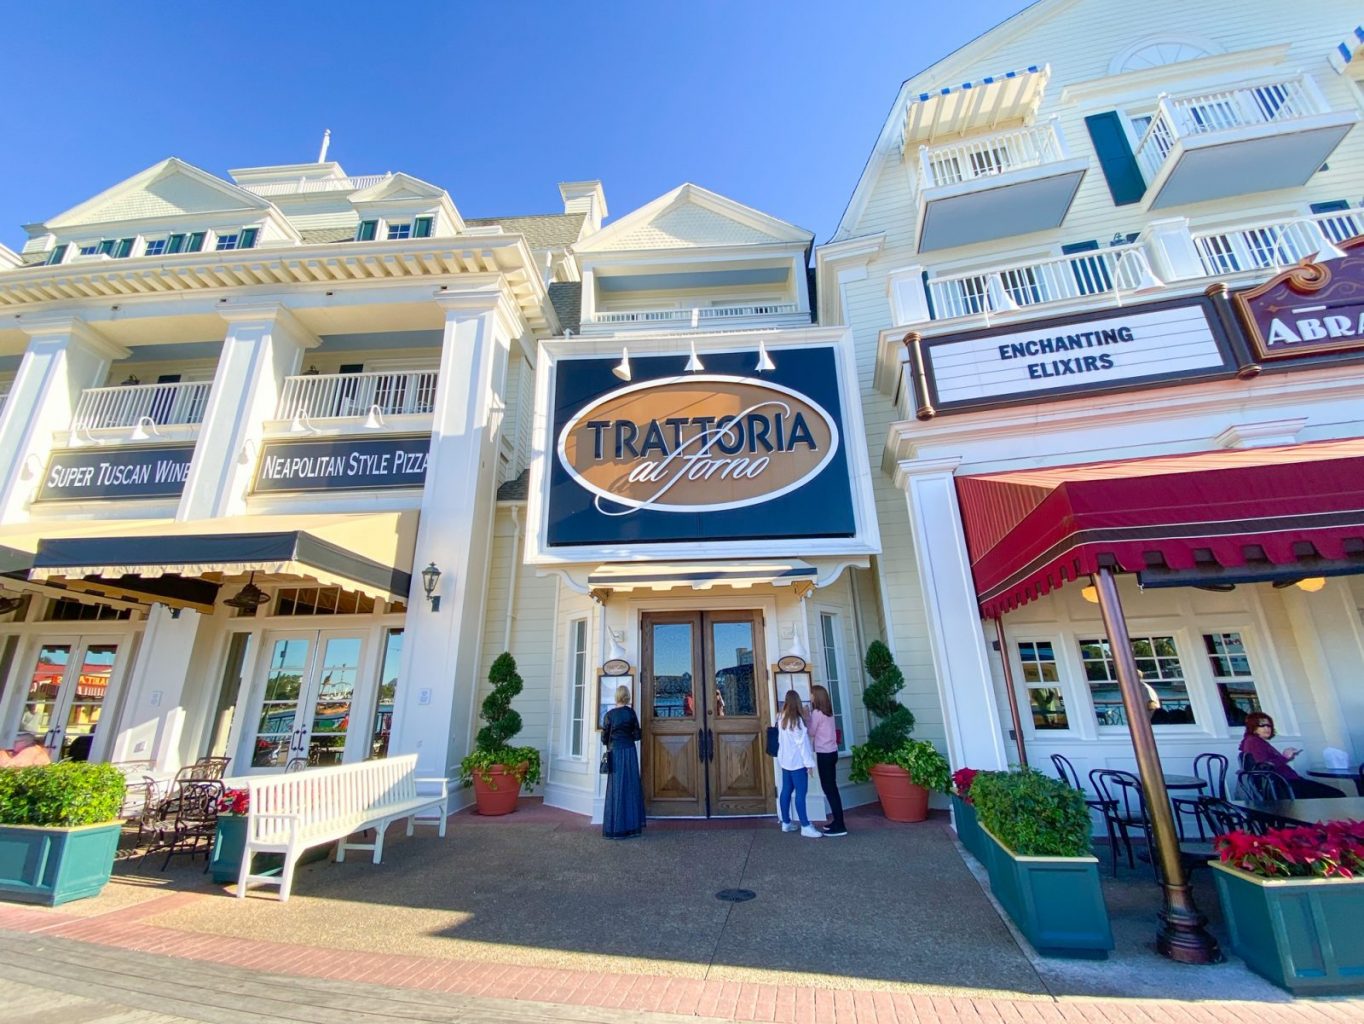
(118, 248)
(400, 231)
(155, 247)
(57, 255)
(243, 239)
(367, 231)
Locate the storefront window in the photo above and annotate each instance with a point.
(388, 690)
(1160, 671)
(828, 633)
(322, 601)
(1235, 680)
(577, 660)
(1043, 682)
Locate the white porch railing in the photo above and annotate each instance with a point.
(127, 405)
(1182, 117)
(306, 185)
(987, 155)
(646, 316)
(1010, 287)
(323, 395)
(1274, 245)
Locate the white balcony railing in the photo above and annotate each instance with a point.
(1274, 245)
(1183, 117)
(1004, 289)
(674, 316)
(180, 404)
(307, 185)
(985, 156)
(329, 395)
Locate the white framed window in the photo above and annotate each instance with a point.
(400, 231)
(1233, 675)
(1042, 680)
(226, 242)
(577, 685)
(1161, 671)
(154, 247)
(834, 680)
(88, 249)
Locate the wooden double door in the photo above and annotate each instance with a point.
(704, 711)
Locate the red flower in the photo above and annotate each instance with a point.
(1331, 850)
(961, 782)
(235, 801)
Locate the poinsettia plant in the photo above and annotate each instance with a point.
(234, 801)
(961, 782)
(1331, 850)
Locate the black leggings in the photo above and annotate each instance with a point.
(828, 781)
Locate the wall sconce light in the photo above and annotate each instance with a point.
(622, 369)
(798, 649)
(999, 298)
(694, 363)
(375, 419)
(430, 579)
(1090, 593)
(764, 360)
(145, 429)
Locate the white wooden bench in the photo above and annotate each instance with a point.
(288, 814)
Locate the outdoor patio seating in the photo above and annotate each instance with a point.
(1224, 817)
(1124, 809)
(1212, 769)
(1262, 786)
(187, 819)
(1067, 774)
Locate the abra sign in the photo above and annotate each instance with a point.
(87, 474)
(1309, 308)
(1118, 350)
(342, 464)
(720, 454)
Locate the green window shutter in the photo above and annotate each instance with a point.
(196, 242)
(1114, 151)
(124, 249)
(421, 227)
(247, 238)
(175, 243)
(366, 231)
(57, 255)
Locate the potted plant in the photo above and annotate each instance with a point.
(496, 770)
(1293, 899)
(964, 813)
(1035, 834)
(902, 770)
(59, 830)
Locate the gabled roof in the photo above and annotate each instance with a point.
(171, 188)
(397, 187)
(692, 217)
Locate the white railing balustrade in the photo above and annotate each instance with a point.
(647, 316)
(984, 156)
(126, 405)
(324, 395)
(307, 185)
(1274, 245)
(1202, 114)
(1011, 287)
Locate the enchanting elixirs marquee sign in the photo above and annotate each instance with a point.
(721, 454)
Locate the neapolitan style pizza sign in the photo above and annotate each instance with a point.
(1309, 308)
(719, 454)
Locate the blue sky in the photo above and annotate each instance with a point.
(773, 104)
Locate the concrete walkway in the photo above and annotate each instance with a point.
(886, 926)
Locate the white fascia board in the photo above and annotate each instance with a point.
(247, 200)
(1186, 76)
(621, 258)
(780, 230)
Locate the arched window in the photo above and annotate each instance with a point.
(1155, 52)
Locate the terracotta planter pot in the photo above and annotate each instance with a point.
(901, 800)
(499, 794)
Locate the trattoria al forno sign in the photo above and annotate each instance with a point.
(718, 454)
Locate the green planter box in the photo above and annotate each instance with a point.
(1056, 902)
(1303, 934)
(229, 841)
(968, 828)
(51, 866)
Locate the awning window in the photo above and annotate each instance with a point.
(627, 576)
(1233, 516)
(998, 101)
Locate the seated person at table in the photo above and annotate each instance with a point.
(27, 751)
(1255, 743)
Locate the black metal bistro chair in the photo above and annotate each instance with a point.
(1262, 786)
(1066, 772)
(187, 820)
(1224, 817)
(1212, 769)
(1124, 810)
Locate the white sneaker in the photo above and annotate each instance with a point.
(810, 832)
(789, 826)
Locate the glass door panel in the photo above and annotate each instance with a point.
(44, 690)
(673, 751)
(335, 693)
(388, 692)
(276, 739)
(739, 772)
(87, 693)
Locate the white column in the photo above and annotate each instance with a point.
(960, 661)
(262, 347)
(589, 298)
(1172, 250)
(908, 296)
(64, 357)
(441, 657)
(153, 711)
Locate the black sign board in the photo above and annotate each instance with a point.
(85, 474)
(342, 464)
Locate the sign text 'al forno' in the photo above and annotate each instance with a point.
(721, 454)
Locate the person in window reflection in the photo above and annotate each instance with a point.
(1255, 744)
(623, 814)
(688, 706)
(824, 738)
(25, 753)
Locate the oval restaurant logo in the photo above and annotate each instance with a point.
(695, 444)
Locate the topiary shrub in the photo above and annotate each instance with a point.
(889, 742)
(491, 744)
(67, 794)
(1034, 815)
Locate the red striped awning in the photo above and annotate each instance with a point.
(1236, 515)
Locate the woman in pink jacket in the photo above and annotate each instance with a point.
(824, 738)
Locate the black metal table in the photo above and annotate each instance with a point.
(1306, 812)
(1339, 775)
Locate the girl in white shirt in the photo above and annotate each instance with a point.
(795, 758)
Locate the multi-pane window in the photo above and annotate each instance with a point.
(577, 667)
(833, 681)
(322, 601)
(1235, 679)
(399, 231)
(1161, 674)
(226, 242)
(1043, 682)
(89, 250)
(155, 247)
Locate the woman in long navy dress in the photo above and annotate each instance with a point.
(623, 815)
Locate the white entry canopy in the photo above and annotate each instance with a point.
(626, 576)
(996, 101)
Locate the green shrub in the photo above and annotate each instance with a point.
(490, 745)
(925, 765)
(1032, 814)
(69, 793)
(889, 742)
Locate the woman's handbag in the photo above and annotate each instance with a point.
(605, 768)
